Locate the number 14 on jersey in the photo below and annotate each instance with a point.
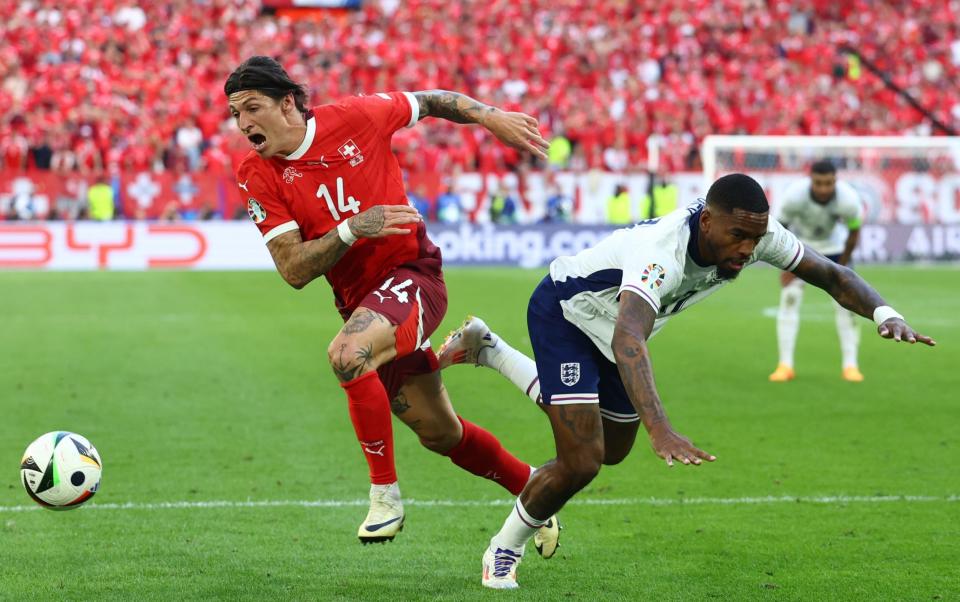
(345, 204)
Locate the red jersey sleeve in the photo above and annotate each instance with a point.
(389, 111)
(265, 207)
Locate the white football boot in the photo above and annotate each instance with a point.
(547, 538)
(385, 518)
(500, 568)
(465, 344)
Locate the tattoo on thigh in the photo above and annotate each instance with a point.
(583, 423)
(360, 321)
(399, 404)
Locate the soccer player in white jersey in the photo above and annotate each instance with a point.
(589, 321)
(825, 214)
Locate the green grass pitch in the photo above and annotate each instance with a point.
(214, 387)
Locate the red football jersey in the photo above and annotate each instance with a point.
(344, 166)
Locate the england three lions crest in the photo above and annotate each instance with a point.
(570, 373)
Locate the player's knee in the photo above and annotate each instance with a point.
(616, 455)
(350, 357)
(582, 469)
(792, 294)
(440, 435)
(440, 442)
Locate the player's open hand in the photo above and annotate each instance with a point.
(898, 330)
(517, 130)
(671, 445)
(383, 220)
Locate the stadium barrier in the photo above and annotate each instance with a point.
(912, 193)
(223, 245)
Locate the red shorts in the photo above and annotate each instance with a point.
(413, 297)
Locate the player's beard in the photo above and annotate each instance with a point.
(727, 274)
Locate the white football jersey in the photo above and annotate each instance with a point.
(656, 259)
(822, 227)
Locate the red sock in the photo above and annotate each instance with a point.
(482, 454)
(370, 414)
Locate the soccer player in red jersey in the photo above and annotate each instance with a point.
(326, 191)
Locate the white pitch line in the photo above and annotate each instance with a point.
(696, 501)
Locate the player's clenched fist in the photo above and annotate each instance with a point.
(383, 220)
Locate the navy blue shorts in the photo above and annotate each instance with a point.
(570, 367)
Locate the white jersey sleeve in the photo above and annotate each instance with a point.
(653, 275)
(780, 247)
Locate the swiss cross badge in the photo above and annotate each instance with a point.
(351, 152)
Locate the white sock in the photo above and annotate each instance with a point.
(518, 368)
(788, 320)
(516, 530)
(849, 332)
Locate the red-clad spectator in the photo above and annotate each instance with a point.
(127, 74)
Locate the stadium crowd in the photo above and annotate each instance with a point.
(106, 85)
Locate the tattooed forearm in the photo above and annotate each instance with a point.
(452, 106)
(634, 325)
(367, 223)
(843, 284)
(300, 262)
(352, 366)
(633, 363)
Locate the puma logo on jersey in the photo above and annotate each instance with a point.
(321, 162)
(382, 297)
(290, 173)
(244, 185)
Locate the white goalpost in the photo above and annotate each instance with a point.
(902, 179)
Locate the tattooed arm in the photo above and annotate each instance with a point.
(516, 130)
(853, 292)
(634, 325)
(299, 261)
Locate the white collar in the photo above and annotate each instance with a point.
(307, 140)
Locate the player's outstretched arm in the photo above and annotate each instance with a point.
(517, 130)
(853, 236)
(634, 325)
(299, 261)
(854, 293)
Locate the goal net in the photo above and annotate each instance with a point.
(901, 179)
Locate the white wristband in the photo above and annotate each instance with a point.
(345, 234)
(884, 313)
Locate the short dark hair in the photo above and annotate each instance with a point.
(738, 191)
(267, 76)
(823, 167)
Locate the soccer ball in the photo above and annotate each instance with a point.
(61, 470)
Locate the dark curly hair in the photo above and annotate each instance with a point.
(267, 76)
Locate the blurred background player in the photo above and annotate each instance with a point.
(326, 192)
(826, 215)
(589, 321)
